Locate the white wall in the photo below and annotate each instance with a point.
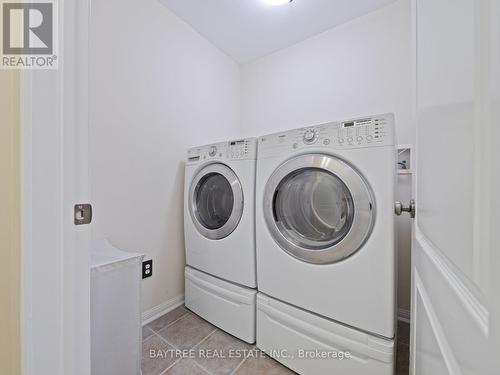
(360, 68)
(156, 88)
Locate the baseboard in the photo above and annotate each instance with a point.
(163, 308)
(404, 315)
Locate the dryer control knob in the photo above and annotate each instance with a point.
(310, 136)
(213, 151)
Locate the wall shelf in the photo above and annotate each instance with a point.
(404, 155)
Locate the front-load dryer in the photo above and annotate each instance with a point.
(325, 238)
(219, 229)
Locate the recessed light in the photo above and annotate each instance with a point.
(276, 2)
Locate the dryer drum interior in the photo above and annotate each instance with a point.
(214, 200)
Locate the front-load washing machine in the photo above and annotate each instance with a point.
(325, 245)
(219, 228)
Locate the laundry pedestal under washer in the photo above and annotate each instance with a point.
(325, 240)
(219, 228)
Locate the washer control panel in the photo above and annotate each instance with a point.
(242, 149)
(369, 131)
(239, 149)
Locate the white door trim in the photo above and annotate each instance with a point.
(446, 351)
(449, 272)
(55, 314)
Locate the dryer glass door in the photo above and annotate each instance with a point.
(314, 208)
(318, 208)
(216, 201)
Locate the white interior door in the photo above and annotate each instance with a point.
(55, 317)
(456, 258)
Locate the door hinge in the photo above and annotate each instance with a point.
(83, 214)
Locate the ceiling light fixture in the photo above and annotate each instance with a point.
(276, 2)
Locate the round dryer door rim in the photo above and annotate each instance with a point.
(363, 199)
(238, 200)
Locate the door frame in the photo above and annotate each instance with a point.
(55, 277)
(413, 161)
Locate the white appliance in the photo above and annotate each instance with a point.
(219, 228)
(325, 243)
(115, 310)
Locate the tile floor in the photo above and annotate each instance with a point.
(181, 343)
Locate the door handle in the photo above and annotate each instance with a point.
(399, 208)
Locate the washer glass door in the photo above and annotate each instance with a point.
(318, 208)
(216, 201)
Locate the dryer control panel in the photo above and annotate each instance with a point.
(371, 131)
(242, 149)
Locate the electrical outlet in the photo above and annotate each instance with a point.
(147, 268)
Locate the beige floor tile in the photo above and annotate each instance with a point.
(146, 333)
(156, 356)
(186, 367)
(221, 353)
(187, 331)
(258, 365)
(167, 319)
